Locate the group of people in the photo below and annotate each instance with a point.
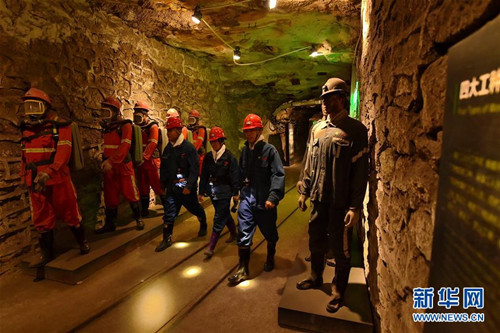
(333, 177)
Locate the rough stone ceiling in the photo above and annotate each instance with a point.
(261, 33)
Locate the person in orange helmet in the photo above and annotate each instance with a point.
(118, 169)
(46, 150)
(199, 134)
(220, 180)
(148, 175)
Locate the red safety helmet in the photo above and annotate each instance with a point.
(252, 121)
(141, 106)
(113, 102)
(194, 114)
(174, 122)
(216, 133)
(38, 94)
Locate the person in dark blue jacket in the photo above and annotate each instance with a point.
(179, 170)
(263, 186)
(220, 179)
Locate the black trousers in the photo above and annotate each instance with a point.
(327, 231)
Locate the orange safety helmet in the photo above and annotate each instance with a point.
(174, 122)
(141, 106)
(252, 121)
(172, 113)
(194, 114)
(113, 102)
(216, 133)
(34, 93)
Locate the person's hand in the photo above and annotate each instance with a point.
(40, 180)
(200, 198)
(352, 217)
(186, 191)
(106, 166)
(236, 199)
(302, 202)
(269, 205)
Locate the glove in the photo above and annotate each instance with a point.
(40, 180)
(352, 217)
(302, 202)
(106, 166)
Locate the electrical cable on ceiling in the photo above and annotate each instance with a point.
(273, 58)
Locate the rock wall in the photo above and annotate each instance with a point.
(78, 56)
(402, 68)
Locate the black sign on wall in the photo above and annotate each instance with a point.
(466, 248)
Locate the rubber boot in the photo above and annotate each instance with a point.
(211, 245)
(242, 273)
(46, 242)
(109, 223)
(203, 227)
(232, 230)
(144, 206)
(315, 280)
(136, 211)
(167, 238)
(79, 234)
(271, 251)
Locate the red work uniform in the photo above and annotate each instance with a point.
(148, 172)
(198, 142)
(47, 148)
(121, 177)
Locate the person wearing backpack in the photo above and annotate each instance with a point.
(117, 166)
(220, 180)
(263, 186)
(199, 135)
(148, 175)
(46, 150)
(179, 176)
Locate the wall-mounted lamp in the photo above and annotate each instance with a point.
(196, 17)
(272, 4)
(237, 53)
(316, 54)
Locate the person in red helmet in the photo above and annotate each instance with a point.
(46, 150)
(199, 134)
(263, 186)
(119, 176)
(179, 176)
(220, 180)
(148, 175)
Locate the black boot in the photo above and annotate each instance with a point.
(203, 228)
(145, 206)
(46, 242)
(271, 251)
(315, 280)
(339, 286)
(109, 223)
(167, 238)
(136, 211)
(242, 273)
(80, 239)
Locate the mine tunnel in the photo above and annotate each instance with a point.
(384, 114)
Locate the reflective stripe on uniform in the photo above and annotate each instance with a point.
(39, 150)
(153, 140)
(64, 142)
(127, 141)
(110, 146)
(359, 155)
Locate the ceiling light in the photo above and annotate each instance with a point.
(237, 53)
(196, 17)
(272, 4)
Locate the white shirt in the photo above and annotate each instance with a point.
(218, 154)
